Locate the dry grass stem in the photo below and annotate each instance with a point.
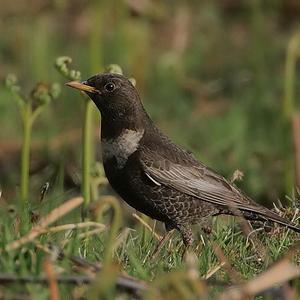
(90, 233)
(146, 225)
(235, 277)
(161, 244)
(51, 277)
(279, 273)
(248, 231)
(122, 237)
(72, 226)
(214, 270)
(53, 216)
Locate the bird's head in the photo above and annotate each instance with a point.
(114, 95)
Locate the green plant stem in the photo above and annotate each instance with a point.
(108, 274)
(288, 102)
(86, 156)
(115, 224)
(288, 106)
(27, 128)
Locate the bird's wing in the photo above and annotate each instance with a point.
(195, 179)
(198, 181)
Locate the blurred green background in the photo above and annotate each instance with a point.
(211, 74)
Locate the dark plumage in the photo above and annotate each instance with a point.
(152, 174)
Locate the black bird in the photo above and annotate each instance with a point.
(152, 174)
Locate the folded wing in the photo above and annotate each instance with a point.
(203, 183)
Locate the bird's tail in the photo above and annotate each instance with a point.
(268, 214)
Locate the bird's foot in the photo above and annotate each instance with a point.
(206, 229)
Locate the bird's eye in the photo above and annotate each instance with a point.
(110, 87)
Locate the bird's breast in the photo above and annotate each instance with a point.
(117, 150)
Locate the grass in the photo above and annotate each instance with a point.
(223, 258)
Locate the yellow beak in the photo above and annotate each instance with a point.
(82, 87)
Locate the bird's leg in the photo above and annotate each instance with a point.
(187, 237)
(162, 242)
(186, 234)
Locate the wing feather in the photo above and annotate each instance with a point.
(199, 182)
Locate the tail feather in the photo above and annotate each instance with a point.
(277, 219)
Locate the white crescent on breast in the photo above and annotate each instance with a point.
(121, 147)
